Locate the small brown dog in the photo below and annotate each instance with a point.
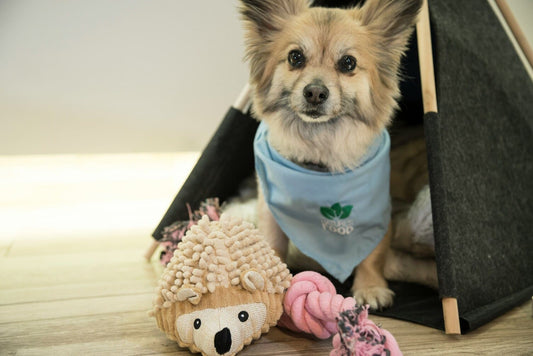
(326, 85)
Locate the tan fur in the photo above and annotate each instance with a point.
(409, 169)
(360, 104)
(369, 283)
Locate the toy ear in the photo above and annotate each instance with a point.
(184, 327)
(190, 295)
(252, 280)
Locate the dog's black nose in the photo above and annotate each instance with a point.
(316, 93)
(223, 341)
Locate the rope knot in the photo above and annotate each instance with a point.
(312, 305)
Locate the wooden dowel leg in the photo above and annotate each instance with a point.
(429, 95)
(451, 316)
(425, 55)
(150, 252)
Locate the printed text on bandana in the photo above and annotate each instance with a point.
(336, 219)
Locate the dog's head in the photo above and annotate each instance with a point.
(325, 74)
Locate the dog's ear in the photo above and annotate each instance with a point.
(393, 20)
(266, 17)
(263, 20)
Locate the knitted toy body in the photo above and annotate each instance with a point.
(223, 288)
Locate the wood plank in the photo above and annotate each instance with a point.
(512, 331)
(89, 291)
(56, 270)
(134, 333)
(112, 333)
(75, 290)
(75, 307)
(126, 333)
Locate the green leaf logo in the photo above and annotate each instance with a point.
(346, 211)
(328, 213)
(336, 211)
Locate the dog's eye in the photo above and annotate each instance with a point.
(197, 324)
(296, 58)
(243, 316)
(347, 64)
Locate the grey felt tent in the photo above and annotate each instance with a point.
(480, 149)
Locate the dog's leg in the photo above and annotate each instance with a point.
(400, 266)
(370, 286)
(270, 228)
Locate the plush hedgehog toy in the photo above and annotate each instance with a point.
(223, 288)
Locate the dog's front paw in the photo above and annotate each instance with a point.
(376, 297)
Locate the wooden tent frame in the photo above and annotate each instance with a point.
(429, 98)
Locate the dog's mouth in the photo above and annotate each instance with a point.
(316, 116)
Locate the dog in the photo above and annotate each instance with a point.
(325, 88)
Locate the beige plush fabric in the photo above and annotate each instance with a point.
(220, 264)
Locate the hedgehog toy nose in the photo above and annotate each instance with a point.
(223, 341)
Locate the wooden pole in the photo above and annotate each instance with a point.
(150, 252)
(243, 99)
(429, 97)
(425, 57)
(516, 30)
(450, 311)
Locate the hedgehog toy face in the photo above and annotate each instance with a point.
(221, 331)
(223, 288)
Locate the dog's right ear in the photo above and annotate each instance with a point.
(264, 19)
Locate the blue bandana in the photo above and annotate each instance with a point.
(336, 219)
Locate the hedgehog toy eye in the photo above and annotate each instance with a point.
(197, 324)
(243, 316)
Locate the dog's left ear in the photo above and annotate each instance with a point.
(392, 19)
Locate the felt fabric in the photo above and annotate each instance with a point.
(336, 219)
(225, 162)
(480, 148)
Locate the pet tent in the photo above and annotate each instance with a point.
(480, 149)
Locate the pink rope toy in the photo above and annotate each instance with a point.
(313, 306)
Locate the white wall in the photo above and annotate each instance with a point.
(93, 76)
(522, 11)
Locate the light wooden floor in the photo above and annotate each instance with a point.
(73, 230)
